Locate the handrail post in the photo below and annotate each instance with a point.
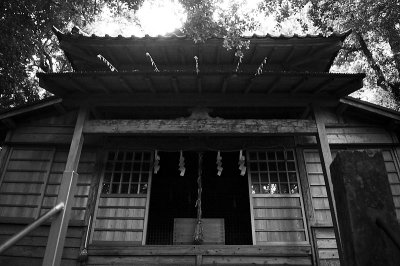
(18, 236)
(58, 230)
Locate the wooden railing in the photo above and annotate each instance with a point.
(15, 238)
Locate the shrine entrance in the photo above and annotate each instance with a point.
(225, 200)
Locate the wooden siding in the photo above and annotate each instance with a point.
(347, 134)
(327, 248)
(392, 169)
(120, 219)
(23, 181)
(278, 216)
(54, 129)
(278, 219)
(322, 227)
(85, 171)
(30, 250)
(31, 180)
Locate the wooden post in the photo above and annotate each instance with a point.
(59, 226)
(326, 158)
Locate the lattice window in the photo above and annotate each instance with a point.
(278, 213)
(122, 205)
(273, 172)
(126, 172)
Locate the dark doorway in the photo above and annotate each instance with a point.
(173, 196)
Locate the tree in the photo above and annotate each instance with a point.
(375, 35)
(27, 42)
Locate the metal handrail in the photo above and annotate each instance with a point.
(15, 238)
(389, 231)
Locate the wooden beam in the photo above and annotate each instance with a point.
(100, 83)
(379, 110)
(60, 108)
(77, 85)
(194, 99)
(226, 81)
(125, 84)
(149, 84)
(323, 85)
(200, 126)
(128, 50)
(252, 57)
(59, 226)
(326, 159)
(199, 85)
(299, 85)
(274, 85)
(30, 108)
(175, 84)
(306, 112)
(182, 55)
(289, 55)
(9, 123)
(165, 55)
(341, 109)
(218, 55)
(348, 87)
(312, 55)
(249, 85)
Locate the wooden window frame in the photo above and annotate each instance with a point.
(100, 195)
(299, 195)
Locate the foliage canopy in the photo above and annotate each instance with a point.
(28, 44)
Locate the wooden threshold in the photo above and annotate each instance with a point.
(224, 250)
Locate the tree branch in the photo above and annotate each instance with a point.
(382, 81)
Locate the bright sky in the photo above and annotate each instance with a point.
(156, 17)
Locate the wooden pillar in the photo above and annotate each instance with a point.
(58, 230)
(326, 159)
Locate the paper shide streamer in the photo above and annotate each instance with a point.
(238, 64)
(219, 164)
(260, 68)
(156, 162)
(105, 61)
(242, 160)
(182, 168)
(197, 64)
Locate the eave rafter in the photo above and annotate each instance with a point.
(175, 85)
(274, 85)
(125, 84)
(321, 87)
(149, 84)
(299, 85)
(101, 83)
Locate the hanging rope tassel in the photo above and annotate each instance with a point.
(242, 161)
(260, 68)
(238, 64)
(152, 62)
(105, 61)
(197, 64)
(198, 231)
(182, 168)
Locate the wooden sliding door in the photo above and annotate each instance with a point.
(275, 198)
(123, 199)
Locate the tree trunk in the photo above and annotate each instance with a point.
(382, 81)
